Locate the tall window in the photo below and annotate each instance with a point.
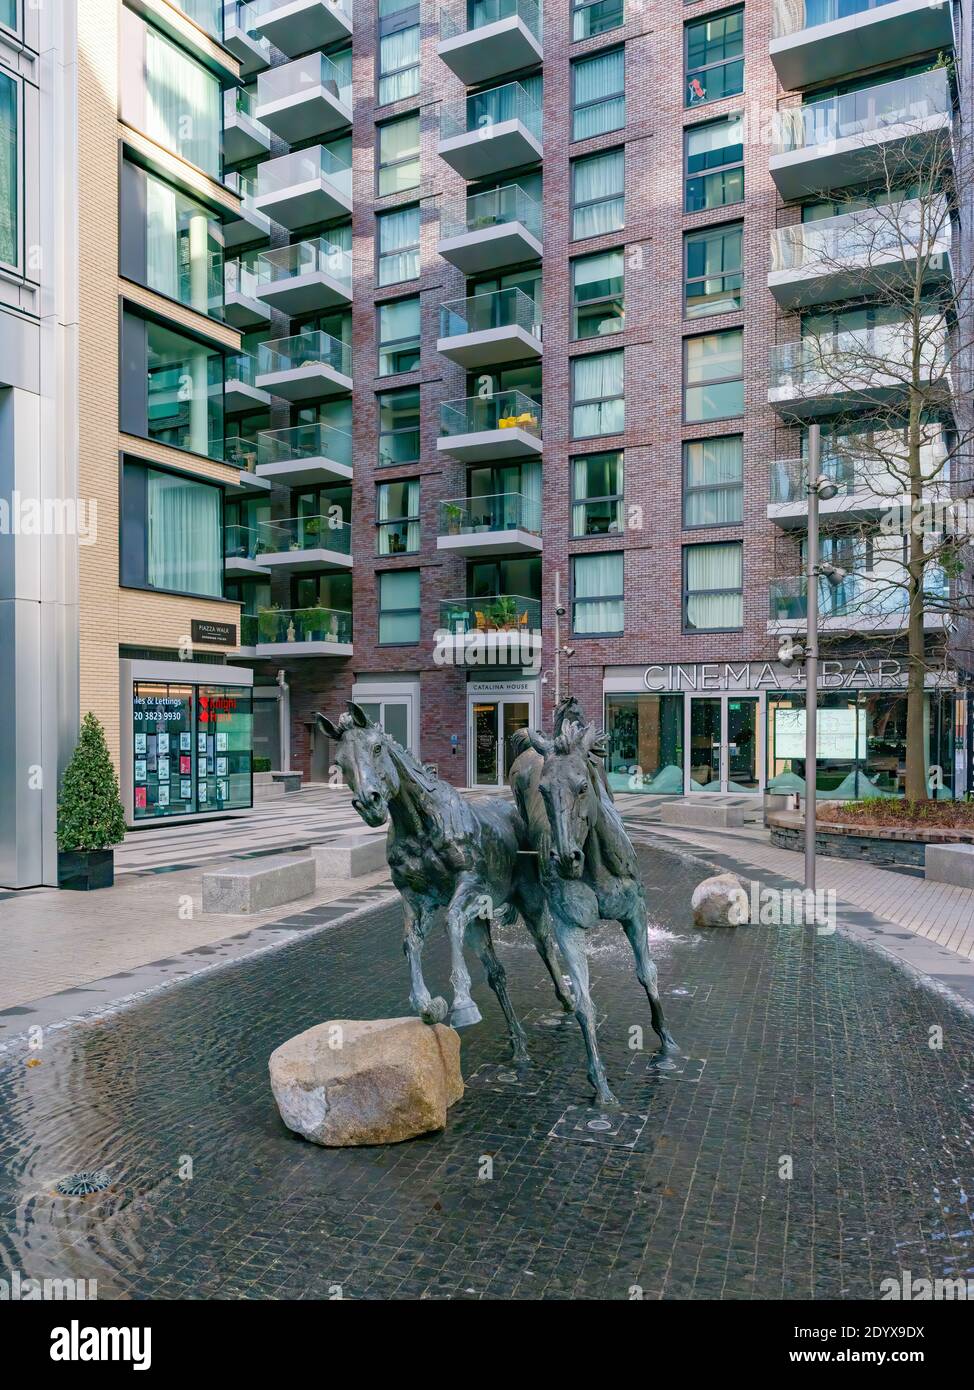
(183, 104)
(171, 532)
(598, 298)
(598, 400)
(399, 336)
(399, 611)
(598, 194)
(397, 517)
(713, 590)
(398, 245)
(597, 505)
(713, 488)
(181, 239)
(399, 155)
(715, 57)
(597, 594)
(9, 170)
(713, 376)
(399, 426)
(171, 387)
(715, 164)
(598, 94)
(398, 50)
(590, 17)
(713, 277)
(8, 14)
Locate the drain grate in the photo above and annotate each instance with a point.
(85, 1183)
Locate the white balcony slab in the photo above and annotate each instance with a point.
(249, 484)
(313, 381)
(480, 55)
(886, 34)
(244, 310)
(856, 622)
(298, 26)
(479, 155)
(490, 347)
(304, 294)
(303, 560)
(491, 248)
(306, 472)
(836, 278)
(240, 567)
(310, 111)
(246, 227)
(479, 543)
(302, 204)
(244, 138)
(239, 396)
(483, 446)
(278, 649)
(851, 160)
(251, 52)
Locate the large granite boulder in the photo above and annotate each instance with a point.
(367, 1081)
(720, 901)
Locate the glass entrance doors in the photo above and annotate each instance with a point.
(722, 741)
(492, 726)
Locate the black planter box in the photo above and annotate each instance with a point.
(85, 869)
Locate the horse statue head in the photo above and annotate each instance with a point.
(567, 711)
(371, 763)
(569, 792)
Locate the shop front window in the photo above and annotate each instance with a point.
(224, 741)
(191, 749)
(645, 743)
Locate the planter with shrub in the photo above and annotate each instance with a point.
(90, 820)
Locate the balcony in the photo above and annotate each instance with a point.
(487, 133)
(507, 625)
(297, 544)
(314, 631)
(819, 40)
(244, 137)
(308, 186)
(860, 603)
(858, 369)
(870, 485)
(495, 37)
(863, 253)
(879, 133)
(311, 366)
(248, 224)
(304, 455)
(305, 278)
(240, 389)
(304, 100)
(499, 228)
(487, 330)
(241, 306)
(506, 523)
(487, 429)
(242, 453)
(297, 26)
(243, 38)
(241, 546)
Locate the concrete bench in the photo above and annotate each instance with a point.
(950, 864)
(251, 885)
(351, 856)
(698, 813)
(289, 781)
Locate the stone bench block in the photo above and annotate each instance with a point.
(288, 781)
(351, 856)
(950, 864)
(251, 885)
(696, 813)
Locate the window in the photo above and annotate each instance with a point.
(598, 194)
(715, 58)
(171, 532)
(598, 94)
(399, 426)
(713, 368)
(597, 506)
(713, 277)
(9, 170)
(713, 490)
(398, 237)
(598, 402)
(713, 592)
(399, 336)
(399, 155)
(397, 517)
(598, 302)
(715, 164)
(597, 595)
(398, 50)
(170, 242)
(398, 607)
(183, 109)
(8, 14)
(591, 17)
(171, 387)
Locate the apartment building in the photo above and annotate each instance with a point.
(386, 334)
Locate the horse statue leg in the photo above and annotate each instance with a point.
(479, 937)
(635, 927)
(575, 907)
(469, 901)
(417, 921)
(533, 908)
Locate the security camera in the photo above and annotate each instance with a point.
(833, 573)
(568, 651)
(789, 651)
(561, 610)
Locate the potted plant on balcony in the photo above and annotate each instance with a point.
(90, 819)
(267, 623)
(503, 613)
(309, 621)
(453, 515)
(312, 529)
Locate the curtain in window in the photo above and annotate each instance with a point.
(161, 228)
(399, 57)
(531, 492)
(714, 567)
(599, 181)
(399, 148)
(398, 230)
(598, 577)
(599, 375)
(598, 96)
(398, 593)
(9, 172)
(715, 466)
(184, 535)
(408, 507)
(597, 475)
(182, 104)
(399, 320)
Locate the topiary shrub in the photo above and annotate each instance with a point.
(89, 810)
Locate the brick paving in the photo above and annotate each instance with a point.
(798, 1049)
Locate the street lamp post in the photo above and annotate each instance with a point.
(811, 654)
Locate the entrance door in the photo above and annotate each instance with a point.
(722, 741)
(493, 725)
